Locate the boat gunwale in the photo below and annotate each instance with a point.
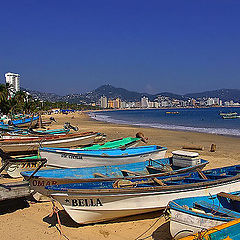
(177, 207)
(185, 187)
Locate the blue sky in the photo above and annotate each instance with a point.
(74, 46)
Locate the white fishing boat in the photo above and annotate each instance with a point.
(75, 158)
(104, 200)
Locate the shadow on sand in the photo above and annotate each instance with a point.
(9, 206)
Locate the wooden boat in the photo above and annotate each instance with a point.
(228, 114)
(225, 231)
(32, 143)
(192, 215)
(23, 122)
(230, 117)
(172, 112)
(72, 158)
(117, 143)
(34, 133)
(13, 190)
(92, 202)
(14, 166)
(148, 169)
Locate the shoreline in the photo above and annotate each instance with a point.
(178, 127)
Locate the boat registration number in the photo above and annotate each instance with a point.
(71, 156)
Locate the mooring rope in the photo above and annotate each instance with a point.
(55, 211)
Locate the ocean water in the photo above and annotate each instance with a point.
(205, 120)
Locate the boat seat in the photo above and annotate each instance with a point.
(216, 209)
(234, 172)
(195, 180)
(126, 173)
(215, 176)
(173, 182)
(97, 175)
(229, 196)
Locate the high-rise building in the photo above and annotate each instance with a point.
(13, 80)
(144, 102)
(103, 102)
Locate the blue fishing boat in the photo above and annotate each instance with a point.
(192, 215)
(73, 158)
(24, 122)
(98, 201)
(137, 170)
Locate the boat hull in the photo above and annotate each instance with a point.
(33, 143)
(72, 160)
(183, 225)
(91, 207)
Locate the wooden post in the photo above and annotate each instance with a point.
(213, 148)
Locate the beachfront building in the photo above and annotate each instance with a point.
(13, 79)
(144, 102)
(117, 103)
(103, 102)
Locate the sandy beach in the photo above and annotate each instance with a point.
(32, 221)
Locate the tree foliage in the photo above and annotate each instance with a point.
(22, 102)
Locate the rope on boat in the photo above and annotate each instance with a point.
(55, 211)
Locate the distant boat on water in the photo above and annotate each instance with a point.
(172, 112)
(228, 114)
(231, 117)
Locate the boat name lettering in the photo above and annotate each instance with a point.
(29, 164)
(86, 202)
(43, 183)
(72, 156)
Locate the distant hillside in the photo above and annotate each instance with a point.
(113, 92)
(51, 97)
(223, 94)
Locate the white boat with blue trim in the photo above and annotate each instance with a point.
(75, 158)
(105, 200)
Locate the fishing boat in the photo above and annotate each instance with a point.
(225, 231)
(23, 122)
(14, 190)
(33, 142)
(172, 112)
(148, 169)
(228, 114)
(231, 117)
(15, 165)
(74, 158)
(99, 201)
(192, 215)
(118, 143)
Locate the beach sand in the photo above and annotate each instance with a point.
(32, 221)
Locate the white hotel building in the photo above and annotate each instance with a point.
(13, 80)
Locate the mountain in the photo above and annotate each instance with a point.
(223, 94)
(51, 97)
(112, 92)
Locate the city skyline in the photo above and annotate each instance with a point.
(74, 47)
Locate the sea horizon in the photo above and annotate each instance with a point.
(202, 120)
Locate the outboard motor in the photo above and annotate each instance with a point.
(52, 119)
(141, 135)
(67, 126)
